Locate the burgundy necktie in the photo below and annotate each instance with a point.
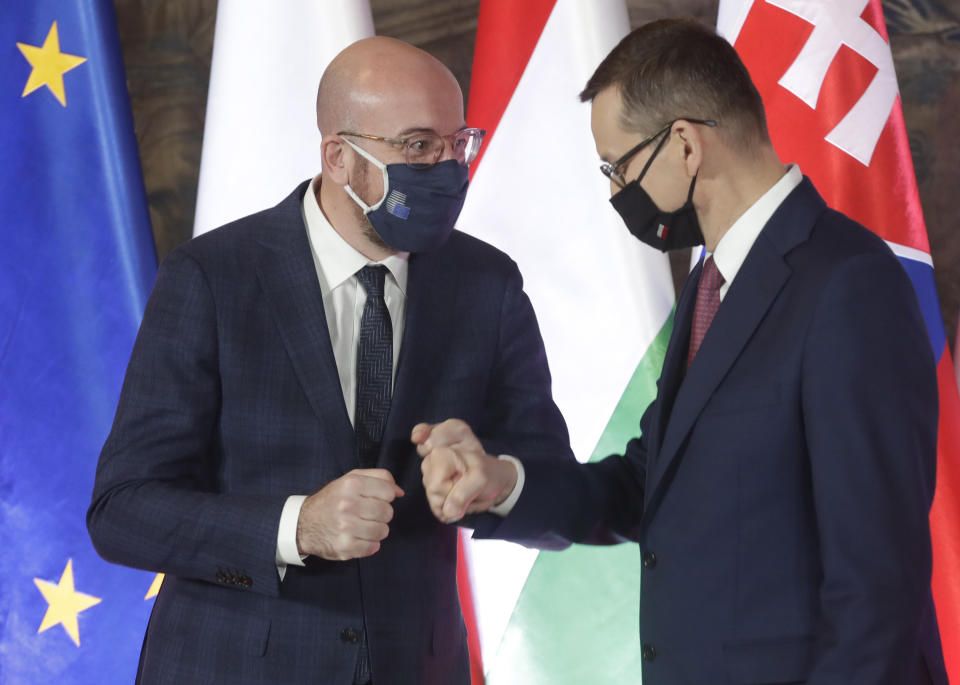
(708, 301)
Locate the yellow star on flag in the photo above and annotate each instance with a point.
(49, 65)
(154, 588)
(64, 603)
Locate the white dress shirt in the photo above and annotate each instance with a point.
(343, 300)
(735, 244)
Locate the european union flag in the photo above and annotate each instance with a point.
(76, 264)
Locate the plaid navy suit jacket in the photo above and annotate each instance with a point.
(232, 402)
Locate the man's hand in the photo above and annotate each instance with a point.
(458, 476)
(348, 517)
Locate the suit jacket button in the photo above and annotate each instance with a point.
(351, 635)
(648, 652)
(649, 560)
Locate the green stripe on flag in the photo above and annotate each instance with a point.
(576, 620)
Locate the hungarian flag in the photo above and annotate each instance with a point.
(603, 301)
(826, 74)
(76, 264)
(260, 137)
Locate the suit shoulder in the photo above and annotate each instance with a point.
(466, 250)
(221, 251)
(236, 235)
(838, 244)
(236, 242)
(843, 256)
(841, 237)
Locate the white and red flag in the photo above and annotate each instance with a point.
(826, 74)
(260, 136)
(603, 301)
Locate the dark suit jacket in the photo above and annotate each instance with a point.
(232, 402)
(781, 486)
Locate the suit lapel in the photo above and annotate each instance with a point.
(288, 276)
(757, 284)
(430, 309)
(675, 359)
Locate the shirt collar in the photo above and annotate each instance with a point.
(735, 244)
(335, 258)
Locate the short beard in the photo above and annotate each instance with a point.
(362, 189)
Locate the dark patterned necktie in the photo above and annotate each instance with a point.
(374, 367)
(708, 301)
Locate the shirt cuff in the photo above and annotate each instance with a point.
(287, 552)
(506, 506)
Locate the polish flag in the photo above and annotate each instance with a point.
(826, 74)
(603, 301)
(260, 137)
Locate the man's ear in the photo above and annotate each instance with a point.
(692, 146)
(334, 155)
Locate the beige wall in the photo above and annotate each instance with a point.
(167, 49)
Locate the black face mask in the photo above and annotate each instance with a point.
(662, 230)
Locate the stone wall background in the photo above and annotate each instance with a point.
(167, 49)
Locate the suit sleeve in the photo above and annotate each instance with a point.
(598, 503)
(562, 501)
(519, 412)
(155, 503)
(870, 411)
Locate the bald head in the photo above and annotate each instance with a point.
(378, 88)
(384, 86)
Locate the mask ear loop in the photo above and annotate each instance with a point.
(383, 171)
(693, 184)
(656, 151)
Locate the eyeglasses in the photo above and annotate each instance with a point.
(422, 150)
(612, 171)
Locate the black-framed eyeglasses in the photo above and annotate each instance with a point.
(421, 150)
(612, 170)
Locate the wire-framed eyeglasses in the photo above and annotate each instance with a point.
(613, 170)
(422, 149)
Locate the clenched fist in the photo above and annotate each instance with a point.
(348, 517)
(458, 476)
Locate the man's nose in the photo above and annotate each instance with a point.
(448, 150)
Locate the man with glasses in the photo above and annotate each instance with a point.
(780, 488)
(260, 454)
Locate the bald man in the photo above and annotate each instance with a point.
(260, 454)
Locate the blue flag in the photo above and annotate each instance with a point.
(76, 265)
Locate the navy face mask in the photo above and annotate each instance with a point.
(419, 206)
(662, 230)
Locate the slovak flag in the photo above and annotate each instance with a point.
(826, 74)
